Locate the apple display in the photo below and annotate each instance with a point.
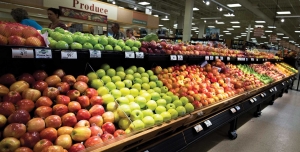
(49, 133)
(25, 104)
(134, 106)
(40, 145)
(69, 79)
(161, 102)
(29, 139)
(107, 137)
(80, 86)
(63, 99)
(147, 112)
(158, 119)
(136, 115)
(137, 125)
(151, 104)
(148, 121)
(64, 130)
(108, 116)
(166, 116)
(124, 110)
(108, 98)
(73, 94)
(94, 100)
(160, 109)
(51, 92)
(40, 85)
(119, 133)
(181, 110)
(52, 80)
(141, 101)
(189, 107)
(125, 91)
(96, 130)
(108, 127)
(112, 106)
(53, 121)
(82, 78)
(80, 133)
(9, 144)
(19, 86)
(130, 98)
(177, 103)
(90, 92)
(35, 124)
(102, 91)
(174, 113)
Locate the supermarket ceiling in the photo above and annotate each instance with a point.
(249, 11)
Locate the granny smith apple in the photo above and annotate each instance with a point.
(153, 78)
(125, 91)
(126, 48)
(99, 47)
(101, 73)
(148, 121)
(110, 86)
(136, 115)
(121, 74)
(115, 78)
(103, 41)
(151, 104)
(184, 100)
(102, 91)
(145, 75)
(122, 100)
(145, 80)
(169, 93)
(134, 49)
(152, 84)
(105, 66)
(137, 44)
(117, 48)
(155, 96)
(150, 91)
(167, 98)
(137, 80)
(189, 108)
(61, 45)
(137, 86)
(116, 93)
(170, 106)
(106, 79)
(124, 110)
(158, 119)
(76, 45)
(161, 102)
(137, 75)
(134, 92)
(124, 123)
(67, 38)
(174, 113)
(150, 72)
(129, 71)
(181, 110)
(134, 106)
(96, 83)
(157, 89)
(121, 43)
(159, 83)
(164, 89)
(111, 72)
(130, 98)
(107, 98)
(129, 77)
(120, 68)
(108, 48)
(129, 42)
(177, 103)
(120, 85)
(174, 97)
(128, 83)
(160, 109)
(141, 101)
(145, 86)
(148, 112)
(133, 67)
(140, 70)
(112, 106)
(87, 45)
(52, 44)
(117, 117)
(143, 91)
(137, 125)
(146, 95)
(166, 116)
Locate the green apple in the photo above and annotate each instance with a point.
(120, 85)
(103, 41)
(124, 123)
(107, 98)
(167, 98)
(108, 48)
(106, 79)
(127, 49)
(189, 108)
(76, 45)
(153, 78)
(136, 115)
(162, 94)
(137, 86)
(128, 131)
(93, 40)
(61, 45)
(105, 66)
(122, 100)
(137, 125)
(161, 102)
(117, 48)
(141, 101)
(128, 83)
(157, 89)
(92, 76)
(158, 119)
(112, 106)
(133, 68)
(174, 97)
(115, 78)
(120, 68)
(152, 84)
(101, 73)
(170, 106)
(177, 103)
(164, 89)
(155, 96)
(121, 43)
(117, 117)
(111, 86)
(137, 80)
(181, 110)
(116, 93)
(96, 83)
(129, 42)
(150, 91)
(159, 84)
(125, 91)
(130, 97)
(145, 75)
(129, 77)
(184, 100)
(121, 74)
(151, 104)
(129, 71)
(174, 113)
(145, 80)
(148, 112)
(134, 92)
(134, 106)
(52, 44)
(146, 95)
(102, 91)
(87, 45)
(99, 47)
(140, 70)
(124, 110)
(148, 121)
(160, 109)
(166, 116)
(137, 44)
(111, 72)
(150, 72)
(137, 75)
(145, 86)
(170, 93)
(143, 91)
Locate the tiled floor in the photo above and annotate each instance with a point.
(277, 130)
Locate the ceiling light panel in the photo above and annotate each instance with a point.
(260, 21)
(234, 5)
(284, 12)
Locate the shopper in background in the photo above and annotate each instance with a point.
(21, 16)
(129, 34)
(116, 31)
(53, 16)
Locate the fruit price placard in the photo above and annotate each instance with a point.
(129, 55)
(139, 55)
(68, 54)
(43, 54)
(95, 53)
(25, 53)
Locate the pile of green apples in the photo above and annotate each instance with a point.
(62, 39)
(136, 97)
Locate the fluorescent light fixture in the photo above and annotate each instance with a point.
(193, 23)
(248, 28)
(113, 2)
(210, 18)
(195, 9)
(121, 7)
(297, 31)
(236, 26)
(278, 39)
(291, 41)
(135, 8)
(261, 43)
(229, 15)
(144, 3)
(282, 20)
(296, 44)
(243, 33)
(196, 31)
(268, 31)
(253, 38)
(230, 29)
(280, 34)
(263, 37)
(258, 26)
(165, 19)
(221, 35)
(193, 29)
(266, 42)
(235, 22)
(284, 12)
(271, 26)
(160, 25)
(238, 36)
(225, 31)
(155, 15)
(211, 26)
(220, 23)
(285, 37)
(260, 21)
(228, 33)
(234, 5)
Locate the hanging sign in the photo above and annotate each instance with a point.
(273, 38)
(259, 31)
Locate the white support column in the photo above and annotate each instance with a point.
(201, 30)
(248, 33)
(188, 15)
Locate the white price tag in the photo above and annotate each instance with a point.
(211, 58)
(255, 99)
(237, 108)
(198, 128)
(265, 94)
(180, 57)
(271, 90)
(228, 58)
(262, 95)
(241, 59)
(206, 58)
(282, 83)
(24, 53)
(233, 110)
(275, 88)
(266, 59)
(129, 55)
(216, 57)
(139, 55)
(208, 123)
(221, 58)
(95, 53)
(43, 54)
(173, 57)
(252, 59)
(252, 101)
(246, 59)
(200, 113)
(68, 55)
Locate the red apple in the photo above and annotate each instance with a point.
(80, 86)
(60, 73)
(82, 123)
(69, 119)
(69, 79)
(7, 108)
(82, 78)
(96, 100)
(106, 137)
(43, 101)
(83, 114)
(25, 104)
(27, 77)
(40, 145)
(96, 131)
(31, 94)
(52, 80)
(3, 90)
(53, 121)
(19, 116)
(90, 92)
(53, 148)
(108, 116)
(64, 130)
(29, 139)
(74, 106)
(43, 111)
(19, 86)
(108, 127)
(73, 94)
(97, 120)
(64, 140)
(63, 87)
(7, 79)
(92, 141)
(119, 133)
(23, 149)
(49, 133)
(12, 96)
(76, 147)
(62, 99)
(60, 109)
(40, 75)
(84, 101)
(51, 92)
(40, 85)
(97, 110)
(14, 130)
(35, 124)
(9, 144)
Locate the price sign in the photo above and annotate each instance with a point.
(237, 108)
(256, 59)
(228, 58)
(139, 55)
(216, 57)
(180, 57)
(252, 59)
(255, 99)
(241, 59)
(275, 88)
(68, 55)
(207, 123)
(262, 95)
(282, 83)
(22, 53)
(252, 101)
(129, 55)
(43, 54)
(95, 53)
(221, 58)
(271, 90)
(173, 57)
(206, 58)
(211, 57)
(246, 59)
(198, 128)
(233, 110)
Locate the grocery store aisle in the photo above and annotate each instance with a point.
(277, 130)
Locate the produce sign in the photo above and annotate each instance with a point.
(258, 31)
(68, 12)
